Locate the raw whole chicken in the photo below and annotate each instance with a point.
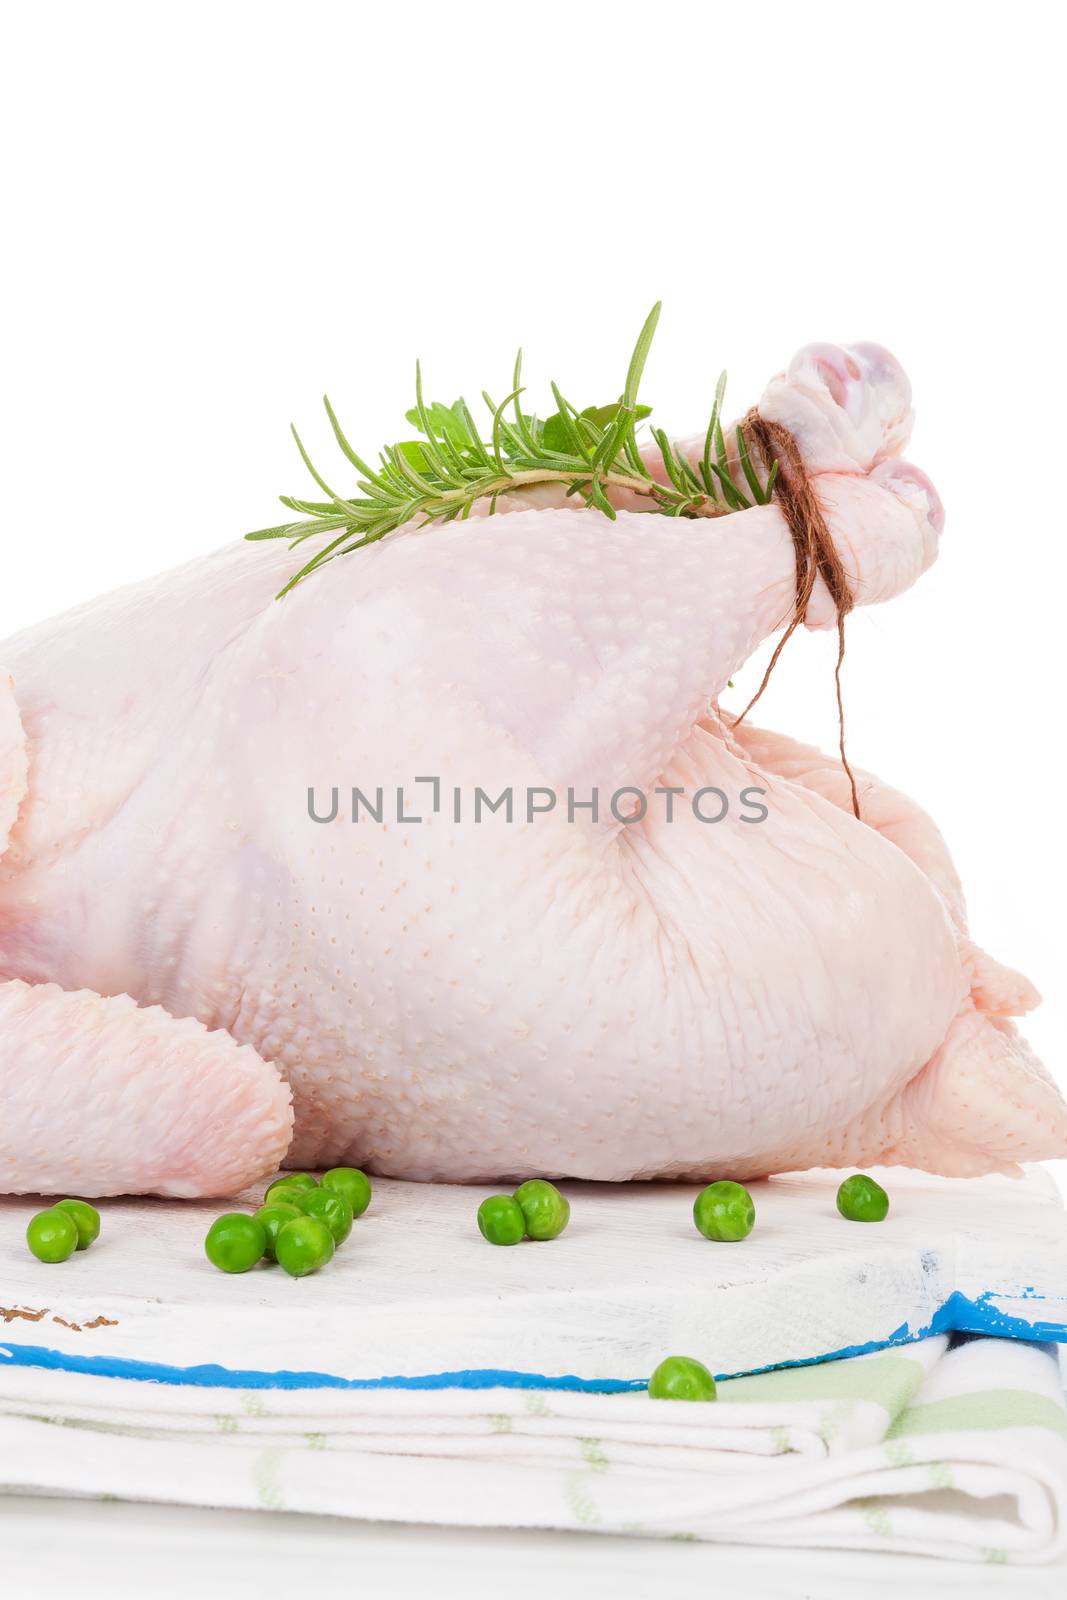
(202, 976)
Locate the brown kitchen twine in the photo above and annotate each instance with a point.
(816, 555)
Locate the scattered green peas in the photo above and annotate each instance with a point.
(52, 1235)
(860, 1199)
(681, 1378)
(546, 1211)
(235, 1242)
(296, 1182)
(353, 1184)
(86, 1219)
(303, 1245)
(272, 1218)
(501, 1219)
(330, 1207)
(724, 1211)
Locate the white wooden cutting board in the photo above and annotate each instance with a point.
(417, 1296)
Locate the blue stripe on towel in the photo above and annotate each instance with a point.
(957, 1315)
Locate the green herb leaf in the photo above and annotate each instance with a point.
(555, 435)
(413, 451)
(445, 422)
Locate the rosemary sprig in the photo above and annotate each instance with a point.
(441, 475)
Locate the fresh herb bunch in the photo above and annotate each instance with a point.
(440, 476)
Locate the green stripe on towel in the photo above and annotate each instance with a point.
(995, 1409)
(888, 1381)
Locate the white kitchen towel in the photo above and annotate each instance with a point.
(955, 1450)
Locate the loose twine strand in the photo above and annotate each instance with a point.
(815, 552)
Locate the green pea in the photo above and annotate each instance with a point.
(681, 1378)
(284, 1194)
(501, 1219)
(860, 1199)
(724, 1211)
(303, 1245)
(331, 1207)
(272, 1218)
(52, 1236)
(546, 1211)
(353, 1184)
(298, 1182)
(235, 1242)
(86, 1219)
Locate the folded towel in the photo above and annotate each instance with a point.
(949, 1448)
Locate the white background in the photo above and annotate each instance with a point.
(216, 212)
